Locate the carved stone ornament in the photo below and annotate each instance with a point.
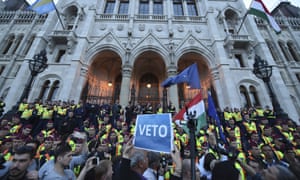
(180, 28)
(159, 28)
(120, 27)
(142, 27)
(102, 27)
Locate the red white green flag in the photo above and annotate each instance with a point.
(195, 105)
(258, 9)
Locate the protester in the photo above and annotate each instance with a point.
(152, 172)
(55, 169)
(101, 170)
(262, 139)
(22, 159)
(133, 164)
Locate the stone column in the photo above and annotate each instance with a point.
(125, 86)
(173, 90)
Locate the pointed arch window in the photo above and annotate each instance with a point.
(293, 51)
(72, 17)
(231, 18)
(17, 43)
(53, 91)
(8, 44)
(253, 96)
(284, 50)
(28, 44)
(44, 90)
(245, 97)
(273, 50)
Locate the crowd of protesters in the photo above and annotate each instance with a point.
(68, 140)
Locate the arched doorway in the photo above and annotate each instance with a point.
(186, 94)
(148, 73)
(104, 78)
(148, 89)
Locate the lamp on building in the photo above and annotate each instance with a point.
(148, 85)
(109, 83)
(263, 70)
(36, 65)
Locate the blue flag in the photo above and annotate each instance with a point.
(189, 75)
(213, 114)
(42, 6)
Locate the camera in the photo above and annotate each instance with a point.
(95, 161)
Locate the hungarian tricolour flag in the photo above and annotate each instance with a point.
(195, 105)
(258, 8)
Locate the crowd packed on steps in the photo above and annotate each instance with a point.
(64, 140)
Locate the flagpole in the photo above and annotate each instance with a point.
(192, 127)
(58, 15)
(242, 22)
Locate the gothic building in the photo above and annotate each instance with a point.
(108, 50)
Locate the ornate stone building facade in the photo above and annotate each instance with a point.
(108, 50)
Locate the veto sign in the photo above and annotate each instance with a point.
(154, 132)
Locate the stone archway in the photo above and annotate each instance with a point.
(104, 78)
(148, 71)
(185, 94)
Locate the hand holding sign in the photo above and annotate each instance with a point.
(128, 149)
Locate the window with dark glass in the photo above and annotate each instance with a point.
(254, 96)
(123, 8)
(2, 67)
(158, 8)
(8, 44)
(44, 90)
(284, 50)
(191, 6)
(109, 8)
(28, 44)
(298, 76)
(178, 8)
(245, 97)
(144, 7)
(60, 54)
(53, 91)
(293, 51)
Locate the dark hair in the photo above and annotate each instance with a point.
(153, 159)
(61, 150)
(25, 150)
(207, 160)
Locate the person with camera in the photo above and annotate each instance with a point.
(96, 169)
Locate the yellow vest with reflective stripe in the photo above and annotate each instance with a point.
(26, 114)
(227, 115)
(47, 114)
(260, 112)
(23, 106)
(237, 116)
(241, 170)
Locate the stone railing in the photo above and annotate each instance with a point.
(21, 17)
